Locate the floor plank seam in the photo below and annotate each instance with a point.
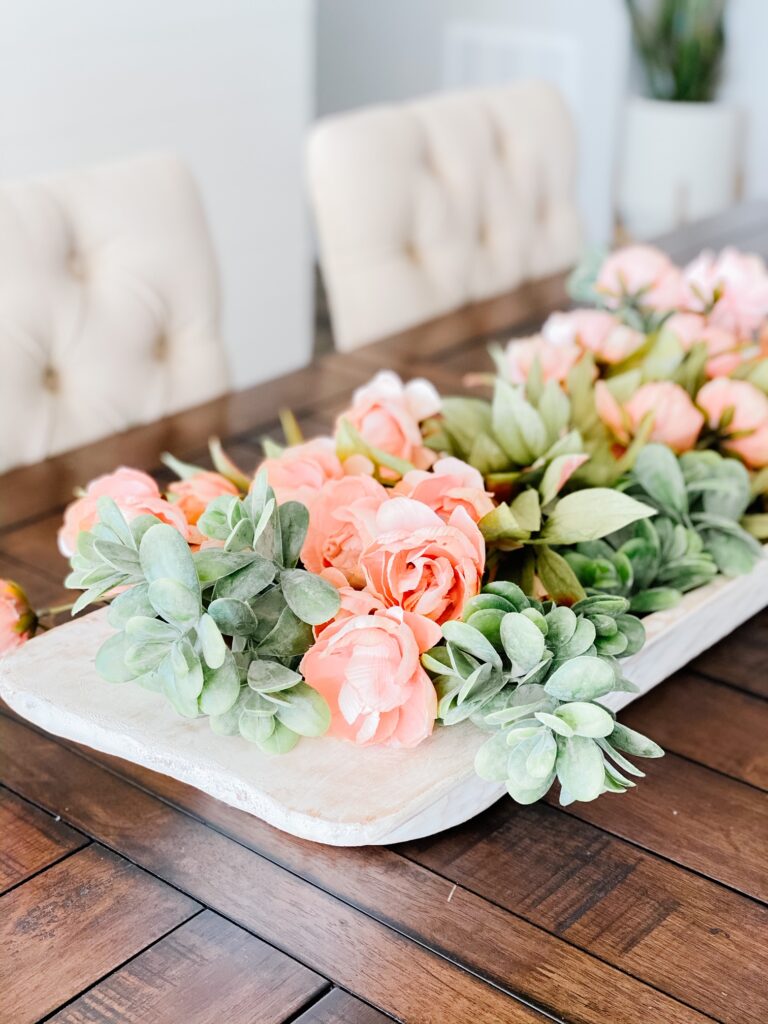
(575, 945)
(727, 683)
(51, 864)
(130, 959)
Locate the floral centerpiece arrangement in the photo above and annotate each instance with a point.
(440, 560)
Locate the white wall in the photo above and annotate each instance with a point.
(370, 51)
(228, 85)
(745, 83)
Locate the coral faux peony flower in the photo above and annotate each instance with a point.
(599, 332)
(134, 492)
(368, 669)
(17, 619)
(676, 420)
(299, 472)
(193, 494)
(387, 413)
(422, 564)
(726, 350)
(731, 287)
(642, 274)
(341, 524)
(555, 358)
(750, 417)
(451, 484)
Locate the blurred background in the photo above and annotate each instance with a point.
(667, 131)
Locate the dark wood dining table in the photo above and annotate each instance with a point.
(129, 897)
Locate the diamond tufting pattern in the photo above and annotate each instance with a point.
(454, 198)
(109, 308)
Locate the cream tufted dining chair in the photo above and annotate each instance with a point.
(108, 304)
(457, 197)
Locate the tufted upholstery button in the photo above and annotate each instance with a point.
(162, 348)
(76, 264)
(412, 252)
(94, 264)
(483, 180)
(51, 380)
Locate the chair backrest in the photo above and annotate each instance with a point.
(423, 207)
(109, 308)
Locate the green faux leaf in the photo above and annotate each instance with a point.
(233, 617)
(557, 725)
(187, 670)
(257, 728)
(247, 581)
(164, 554)
(581, 641)
(97, 591)
(586, 719)
(656, 599)
(145, 656)
(221, 687)
(294, 522)
(111, 516)
(523, 642)
(734, 555)
(488, 622)
(527, 511)
(175, 602)
(310, 597)
(128, 604)
(212, 644)
(580, 767)
(119, 557)
(557, 577)
(214, 563)
(268, 676)
(150, 629)
(658, 472)
(582, 678)
(306, 713)
(561, 626)
(473, 642)
(509, 591)
(110, 659)
(288, 638)
(280, 741)
(592, 513)
(491, 759)
(633, 742)
(501, 525)
(540, 762)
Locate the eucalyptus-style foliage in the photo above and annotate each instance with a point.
(700, 499)
(220, 632)
(531, 673)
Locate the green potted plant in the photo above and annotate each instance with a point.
(680, 158)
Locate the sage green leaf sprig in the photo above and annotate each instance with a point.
(220, 632)
(532, 672)
(700, 498)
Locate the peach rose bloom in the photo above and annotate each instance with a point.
(193, 495)
(368, 669)
(17, 620)
(422, 564)
(135, 494)
(643, 273)
(353, 602)
(676, 420)
(341, 523)
(299, 472)
(600, 332)
(451, 484)
(726, 350)
(750, 414)
(387, 413)
(556, 359)
(732, 287)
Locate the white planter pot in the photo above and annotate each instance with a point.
(326, 790)
(680, 162)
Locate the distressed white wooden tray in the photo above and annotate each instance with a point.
(325, 790)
